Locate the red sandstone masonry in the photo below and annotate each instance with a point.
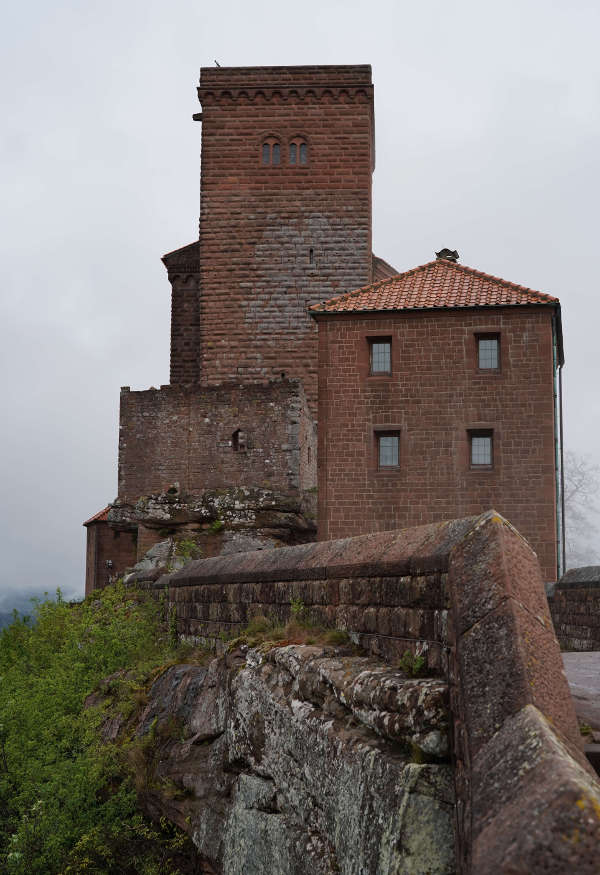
(527, 801)
(185, 435)
(259, 224)
(434, 395)
(106, 544)
(575, 608)
(183, 268)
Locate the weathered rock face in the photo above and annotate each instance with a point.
(303, 759)
(237, 507)
(217, 521)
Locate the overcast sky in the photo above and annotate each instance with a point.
(487, 129)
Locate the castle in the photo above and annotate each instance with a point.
(436, 391)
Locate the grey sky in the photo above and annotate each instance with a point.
(487, 129)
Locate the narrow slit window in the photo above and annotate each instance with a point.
(276, 153)
(266, 153)
(488, 352)
(238, 441)
(388, 450)
(303, 153)
(381, 355)
(293, 152)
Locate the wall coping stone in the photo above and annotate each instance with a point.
(587, 575)
(417, 551)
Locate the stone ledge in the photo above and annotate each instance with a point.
(409, 552)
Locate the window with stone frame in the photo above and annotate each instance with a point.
(271, 152)
(488, 352)
(388, 449)
(481, 449)
(380, 355)
(298, 152)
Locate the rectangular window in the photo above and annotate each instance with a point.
(381, 355)
(481, 449)
(488, 352)
(388, 450)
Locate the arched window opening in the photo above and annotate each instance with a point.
(298, 151)
(271, 151)
(238, 441)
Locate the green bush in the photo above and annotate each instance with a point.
(188, 549)
(411, 664)
(67, 801)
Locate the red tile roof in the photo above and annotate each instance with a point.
(438, 284)
(99, 517)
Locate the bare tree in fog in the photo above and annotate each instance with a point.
(582, 510)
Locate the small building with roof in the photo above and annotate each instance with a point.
(439, 393)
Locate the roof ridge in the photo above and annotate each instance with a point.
(441, 288)
(494, 278)
(372, 286)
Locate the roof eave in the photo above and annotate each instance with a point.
(374, 311)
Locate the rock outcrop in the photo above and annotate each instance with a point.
(213, 522)
(302, 759)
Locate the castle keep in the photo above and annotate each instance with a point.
(435, 390)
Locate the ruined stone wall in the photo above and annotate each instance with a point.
(517, 746)
(433, 398)
(575, 609)
(276, 238)
(187, 435)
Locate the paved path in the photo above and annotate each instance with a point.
(583, 674)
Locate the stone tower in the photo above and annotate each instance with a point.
(285, 220)
(285, 223)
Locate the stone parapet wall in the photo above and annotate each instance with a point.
(386, 615)
(517, 747)
(575, 609)
(387, 591)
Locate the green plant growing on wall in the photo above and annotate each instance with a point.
(412, 664)
(298, 611)
(215, 527)
(173, 636)
(188, 549)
